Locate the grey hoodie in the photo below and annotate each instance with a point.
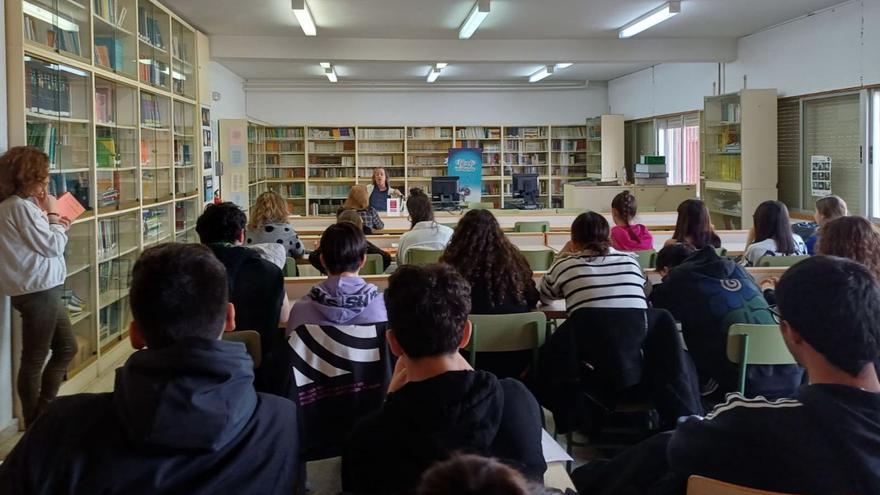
(339, 301)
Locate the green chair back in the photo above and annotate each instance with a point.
(373, 266)
(419, 256)
(481, 205)
(722, 252)
(570, 211)
(780, 261)
(251, 341)
(539, 259)
(505, 333)
(755, 344)
(289, 267)
(531, 227)
(450, 225)
(309, 271)
(647, 258)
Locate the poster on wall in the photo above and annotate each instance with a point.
(820, 175)
(207, 140)
(467, 164)
(209, 188)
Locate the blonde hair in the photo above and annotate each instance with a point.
(358, 199)
(270, 207)
(22, 168)
(831, 207)
(350, 216)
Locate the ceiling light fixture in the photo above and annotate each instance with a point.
(330, 72)
(434, 73)
(304, 16)
(474, 18)
(542, 73)
(564, 65)
(651, 19)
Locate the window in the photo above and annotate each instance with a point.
(678, 139)
(874, 159)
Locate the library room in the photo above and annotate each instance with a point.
(440, 247)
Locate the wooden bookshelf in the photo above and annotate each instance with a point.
(123, 143)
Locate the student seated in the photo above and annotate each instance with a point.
(359, 200)
(268, 224)
(437, 404)
(693, 226)
(855, 238)
(626, 236)
(425, 232)
(353, 217)
(256, 287)
(344, 298)
(773, 235)
(824, 439)
(591, 274)
(828, 208)
(184, 416)
(668, 258)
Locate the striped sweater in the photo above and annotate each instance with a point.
(586, 280)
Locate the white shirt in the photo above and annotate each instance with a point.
(31, 249)
(767, 247)
(425, 235)
(585, 280)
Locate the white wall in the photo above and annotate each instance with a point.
(662, 89)
(232, 103)
(425, 107)
(6, 391)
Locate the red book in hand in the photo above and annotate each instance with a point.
(68, 207)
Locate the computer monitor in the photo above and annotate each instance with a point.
(525, 187)
(444, 191)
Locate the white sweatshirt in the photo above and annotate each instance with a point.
(31, 249)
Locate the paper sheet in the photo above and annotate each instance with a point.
(553, 452)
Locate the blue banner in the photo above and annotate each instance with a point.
(467, 164)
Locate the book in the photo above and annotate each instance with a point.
(69, 207)
(105, 152)
(650, 168)
(109, 52)
(643, 175)
(653, 160)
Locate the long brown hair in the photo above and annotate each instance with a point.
(590, 231)
(419, 207)
(693, 225)
(855, 238)
(270, 207)
(479, 250)
(22, 168)
(387, 181)
(625, 206)
(358, 199)
(772, 222)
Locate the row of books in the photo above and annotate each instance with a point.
(331, 173)
(151, 110)
(569, 170)
(113, 275)
(363, 133)
(110, 322)
(184, 214)
(568, 145)
(565, 158)
(285, 173)
(526, 132)
(343, 147)
(381, 160)
(288, 160)
(108, 238)
(43, 136)
(288, 146)
(295, 190)
(328, 191)
(283, 133)
(344, 161)
(149, 29)
(428, 172)
(155, 72)
(182, 153)
(491, 188)
(427, 160)
(380, 147)
(520, 159)
(104, 101)
(110, 52)
(731, 112)
(76, 183)
(569, 132)
(478, 133)
(184, 181)
(525, 146)
(726, 168)
(391, 172)
(48, 92)
(180, 49)
(428, 146)
(154, 223)
(56, 37)
(430, 133)
(109, 11)
(325, 207)
(331, 132)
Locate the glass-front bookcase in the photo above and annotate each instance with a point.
(156, 148)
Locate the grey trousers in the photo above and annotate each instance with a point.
(45, 327)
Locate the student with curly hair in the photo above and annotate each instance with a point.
(852, 237)
(33, 236)
(626, 236)
(268, 225)
(500, 277)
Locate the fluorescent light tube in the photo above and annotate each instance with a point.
(304, 16)
(651, 19)
(541, 74)
(564, 65)
(433, 75)
(49, 17)
(474, 18)
(330, 72)
(325, 65)
(441, 65)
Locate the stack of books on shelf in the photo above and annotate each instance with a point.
(56, 37)
(151, 114)
(430, 133)
(728, 141)
(339, 161)
(74, 304)
(104, 105)
(380, 133)
(331, 173)
(44, 137)
(182, 154)
(331, 133)
(527, 132)
(179, 49)
(108, 238)
(651, 171)
(110, 11)
(331, 147)
(284, 133)
(109, 324)
(108, 276)
(731, 112)
(105, 150)
(149, 29)
(153, 224)
(154, 72)
(478, 133)
(49, 93)
(109, 52)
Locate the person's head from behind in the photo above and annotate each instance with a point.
(772, 222)
(828, 208)
(419, 207)
(350, 216)
(428, 309)
(224, 222)
(855, 238)
(693, 225)
(589, 231)
(178, 291)
(358, 198)
(830, 312)
(343, 248)
(469, 474)
(380, 178)
(671, 256)
(623, 208)
(24, 170)
(479, 249)
(270, 207)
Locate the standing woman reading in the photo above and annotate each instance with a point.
(380, 190)
(32, 271)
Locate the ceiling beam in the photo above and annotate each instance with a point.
(598, 50)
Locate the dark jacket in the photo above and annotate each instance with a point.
(601, 356)
(825, 440)
(182, 419)
(315, 257)
(256, 288)
(427, 421)
(707, 294)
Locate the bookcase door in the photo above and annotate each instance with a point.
(116, 145)
(115, 25)
(185, 169)
(154, 55)
(156, 154)
(60, 25)
(183, 56)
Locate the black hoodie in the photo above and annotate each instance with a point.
(825, 440)
(427, 421)
(182, 419)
